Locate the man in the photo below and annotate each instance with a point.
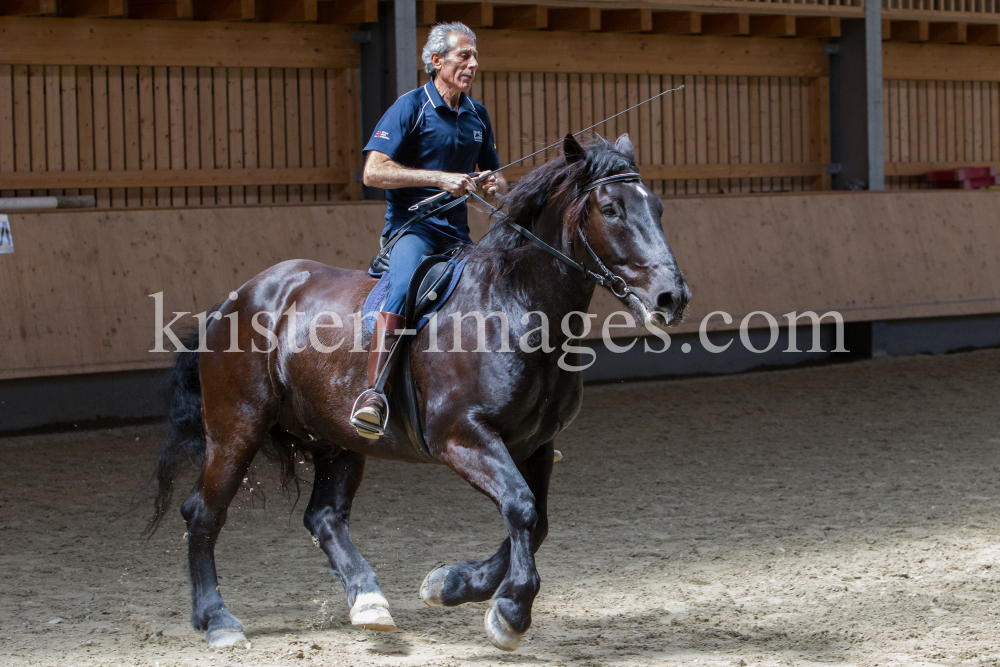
(430, 140)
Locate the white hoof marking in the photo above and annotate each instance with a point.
(371, 612)
(225, 638)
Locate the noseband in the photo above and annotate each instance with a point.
(606, 278)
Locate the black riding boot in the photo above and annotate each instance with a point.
(369, 417)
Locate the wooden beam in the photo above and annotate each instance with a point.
(947, 33)
(988, 35)
(96, 9)
(940, 62)
(910, 31)
(626, 20)
(472, 14)
(27, 7)
(725, 24)
(773, 26)
(921, 168)
(886, 30)
(817, 26)
(575, 19)
(160, 9)
(426, 12)
(286, 11)
(52, 180)
(55, 41)
(222, 10)
(597, 52)
(521, 17)
(676, 23)
(348, 11)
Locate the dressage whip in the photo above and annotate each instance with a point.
(432, 199)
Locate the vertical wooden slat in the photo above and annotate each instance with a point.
(85, 120)
(712, 128)
(6, 123)
(161, 129)
(922, 126)
(293, 147)
(602, 107)
(774, 111)
(942, 114)
(353, 81)
(206, 130)
(192, 134)
(986, 124)
(551, 110)
(130, 97)
(234, 109)
(693, 133)
(563, 126)
(618, 103)
(681, 129)
(147, 130)
(306, 131)
(177, 135)
(69, 117)
(995, 118)
(785, 126)
(701, 126)
(586, 100)
(337, 128)
(537, 135)
(755, 127)
(913, 123)
(631, 86)
(22, 121)
(733, 155)
(53, 122)
(656, 127)
(977, 121)
(320, 111)
(795, 109)
(743, 86)
(949, 121)
(520, 115)
(117, 130)
(265, 145)
(36, 91)
(644, 142)
(502, 128)
(930, 89)
(894, 124)
(967, 131)
(669, 138)
(220, 116)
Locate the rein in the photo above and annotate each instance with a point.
(606, 278)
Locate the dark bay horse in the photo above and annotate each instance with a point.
(490, 417)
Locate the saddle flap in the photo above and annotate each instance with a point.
(432, 287)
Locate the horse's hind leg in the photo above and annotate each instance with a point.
(229, 451)
(327, 517)
(476, 581)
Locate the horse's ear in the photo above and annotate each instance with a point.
(624, 146)
(573, 150)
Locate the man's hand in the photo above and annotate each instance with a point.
(456, 184)
(494, 184)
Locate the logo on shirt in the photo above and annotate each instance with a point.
(382, 134)
(477, 135)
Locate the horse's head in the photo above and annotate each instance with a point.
(621, 222)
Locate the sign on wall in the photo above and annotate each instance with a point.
(6, 241)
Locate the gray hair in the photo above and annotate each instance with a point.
(438, 42)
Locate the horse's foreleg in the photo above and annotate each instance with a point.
(327, 518)
(205, 511)
(482, 460)
(475, 581)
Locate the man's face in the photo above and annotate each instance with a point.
(458, 68)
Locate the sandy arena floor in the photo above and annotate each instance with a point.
(842, 515)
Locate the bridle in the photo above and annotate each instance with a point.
(605, 277)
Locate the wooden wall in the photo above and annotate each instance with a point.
(941, 109)
(138, 131)
(75, 295)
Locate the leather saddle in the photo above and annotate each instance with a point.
(427, 287)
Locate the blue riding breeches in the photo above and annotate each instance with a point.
(403, 261)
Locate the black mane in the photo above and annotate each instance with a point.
(555, 182)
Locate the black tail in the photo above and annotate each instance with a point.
(185, 443)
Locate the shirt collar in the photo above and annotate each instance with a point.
(437, 101)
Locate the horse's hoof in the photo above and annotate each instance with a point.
(499, 631)
(371, 612)
(224, 638)
(430, 590)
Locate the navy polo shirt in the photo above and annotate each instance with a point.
(421, 131)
